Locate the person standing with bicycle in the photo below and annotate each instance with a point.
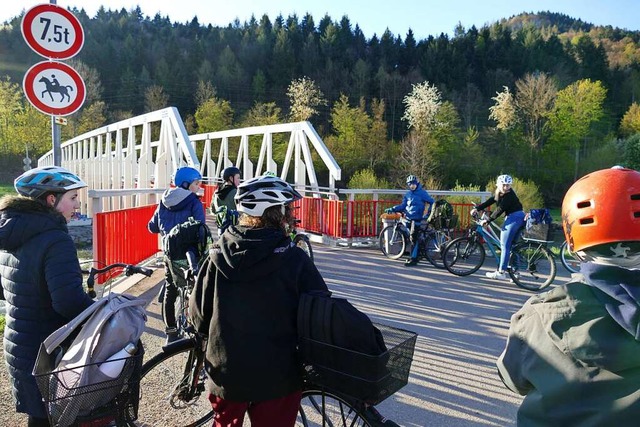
(245, 300)
(40, 274)
(574, 352)
(223, 205)
(176, 206)
(507, 202)
(413, 205)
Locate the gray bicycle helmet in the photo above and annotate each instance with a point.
(258, 194)
(48, 179)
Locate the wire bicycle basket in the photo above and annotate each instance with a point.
(112, 400)
(363, 377)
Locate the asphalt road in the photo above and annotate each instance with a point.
(461, 321)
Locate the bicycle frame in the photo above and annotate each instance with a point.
(489, 235)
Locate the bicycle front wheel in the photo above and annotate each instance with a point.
(319, 409)
(569, 259)
(434, 248)
(165, 399)
(302, 241)
(463, 256)
(393, 242)
(532, 266)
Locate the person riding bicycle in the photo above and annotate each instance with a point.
(40, 274)
(507, 202)
(223, 205)
(413, 205)
(574, 351)
(176, 206)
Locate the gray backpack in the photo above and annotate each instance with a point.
(103, 329)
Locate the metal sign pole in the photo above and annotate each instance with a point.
(55, 133)
(55, 136)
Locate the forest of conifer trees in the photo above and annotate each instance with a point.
(487, 82)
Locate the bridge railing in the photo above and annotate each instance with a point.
(122, 235)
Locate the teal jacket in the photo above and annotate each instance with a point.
(573, 352)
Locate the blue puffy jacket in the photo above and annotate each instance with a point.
(413, 203)
(42, 284)
(175, 207)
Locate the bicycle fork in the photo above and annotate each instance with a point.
(192, 384)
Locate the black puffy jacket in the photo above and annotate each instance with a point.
(42, 285)
(246, 301)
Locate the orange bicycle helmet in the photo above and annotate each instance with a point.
(602, 207)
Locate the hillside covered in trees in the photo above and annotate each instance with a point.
(543, 96)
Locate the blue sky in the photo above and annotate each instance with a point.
(424, 17)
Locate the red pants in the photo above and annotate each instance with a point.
(280, 412)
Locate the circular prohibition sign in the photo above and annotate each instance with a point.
(54, 88)
(52, 31)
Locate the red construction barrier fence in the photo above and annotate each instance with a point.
(122, 236)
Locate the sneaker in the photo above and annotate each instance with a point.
(172, 335)
(375, 418)
(411, 262)
(497, 275)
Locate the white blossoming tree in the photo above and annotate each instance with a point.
(503, 112)
(422, 106)
(305, 98)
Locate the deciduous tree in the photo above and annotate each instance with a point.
(305, 98)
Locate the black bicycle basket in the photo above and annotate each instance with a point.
(538, 232)
(363, 377)
(121, 393)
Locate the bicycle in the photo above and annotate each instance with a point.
(394, 240)
(121, 392)
(185, 402)
(569, 259)
(301, 240)
(128, 270)
(531, 264)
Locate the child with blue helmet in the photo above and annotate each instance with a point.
(414, 205)
(176, 206)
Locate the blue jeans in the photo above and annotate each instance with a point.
(510, 229)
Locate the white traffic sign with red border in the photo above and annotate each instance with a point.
(52, 31)
(54, 88)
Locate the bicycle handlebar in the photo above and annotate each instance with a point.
(129, 270)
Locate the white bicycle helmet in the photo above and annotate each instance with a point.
(256, 195)
(48, 179)
(504, 179)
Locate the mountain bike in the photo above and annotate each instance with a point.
(395, 239)
(531, 264)
(569, 259)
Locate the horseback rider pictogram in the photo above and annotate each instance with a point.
(53, 86)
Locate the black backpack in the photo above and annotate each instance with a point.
(190, 235)
(341, 347)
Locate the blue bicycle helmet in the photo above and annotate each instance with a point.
(412, 179)
(48, 179)
(185, 176)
